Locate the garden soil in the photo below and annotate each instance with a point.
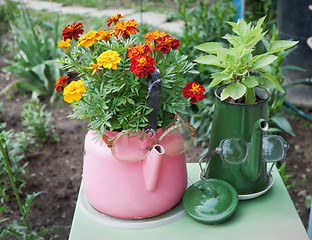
(57, 166)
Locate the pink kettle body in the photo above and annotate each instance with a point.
(132, 189)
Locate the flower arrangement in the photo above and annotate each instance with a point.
(112, 90)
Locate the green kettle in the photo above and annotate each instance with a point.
(243, 121)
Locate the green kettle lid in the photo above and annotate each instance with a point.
(210, 201)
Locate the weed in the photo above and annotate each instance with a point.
(285, 177)
(308, 202)
(38, 122)
(17, 144)
(19, 229)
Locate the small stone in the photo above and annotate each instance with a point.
(302, 193)
(308, 170)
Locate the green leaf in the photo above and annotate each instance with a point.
(39, 71)
(251, 82)
(224, 94)
(208, 60)
(279, 45)
(232, 39)
(242, 27)
(260, 22)
(217, 78)
(263, 61)
(283, 124)
(269, 79)
(236, 90)
(209, 47)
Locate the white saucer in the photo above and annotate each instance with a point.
(172, 215)
(257, 194)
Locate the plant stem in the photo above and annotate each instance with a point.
(250, 96)
(18, 198)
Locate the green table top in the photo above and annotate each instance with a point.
(271, 216)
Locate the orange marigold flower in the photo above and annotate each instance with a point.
(73, 91)
(95, 68)
(72, 31)
(153, 36)
(88, 39)
(138, 50)
(109, 59)
(165, 43)
(61, 82)
(114, 19)
(142, 65)
(125, 27)
(105, 35)
(194, 91)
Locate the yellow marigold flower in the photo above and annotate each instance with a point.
(64, 44)
(95, 68)
(88, 39)
(73, 91)
(109, 59)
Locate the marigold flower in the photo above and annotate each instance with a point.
(88, 39)
(109, 59)
(95, 68)
(165, 43)
(73, 91)
(138, 50)
(61, 82)
(105, 35)
(72, 31)
(114, 19)
(194, 91)
(64, 43)
(142, 65)
(128, 27)
(153, 36)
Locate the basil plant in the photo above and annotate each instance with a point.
(240, 69)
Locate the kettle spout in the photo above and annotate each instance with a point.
(151, 167)
(253, 166)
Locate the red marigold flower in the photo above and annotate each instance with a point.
(142, 65)
(153, 36)
(194, 91)
(114, 19)
(165, 43)
(72, 31)
(61, 82)
(125, 27)
(138, 50)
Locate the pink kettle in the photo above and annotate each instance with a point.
(133, 190)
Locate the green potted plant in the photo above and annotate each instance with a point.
(241, 100)
(131, 93)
